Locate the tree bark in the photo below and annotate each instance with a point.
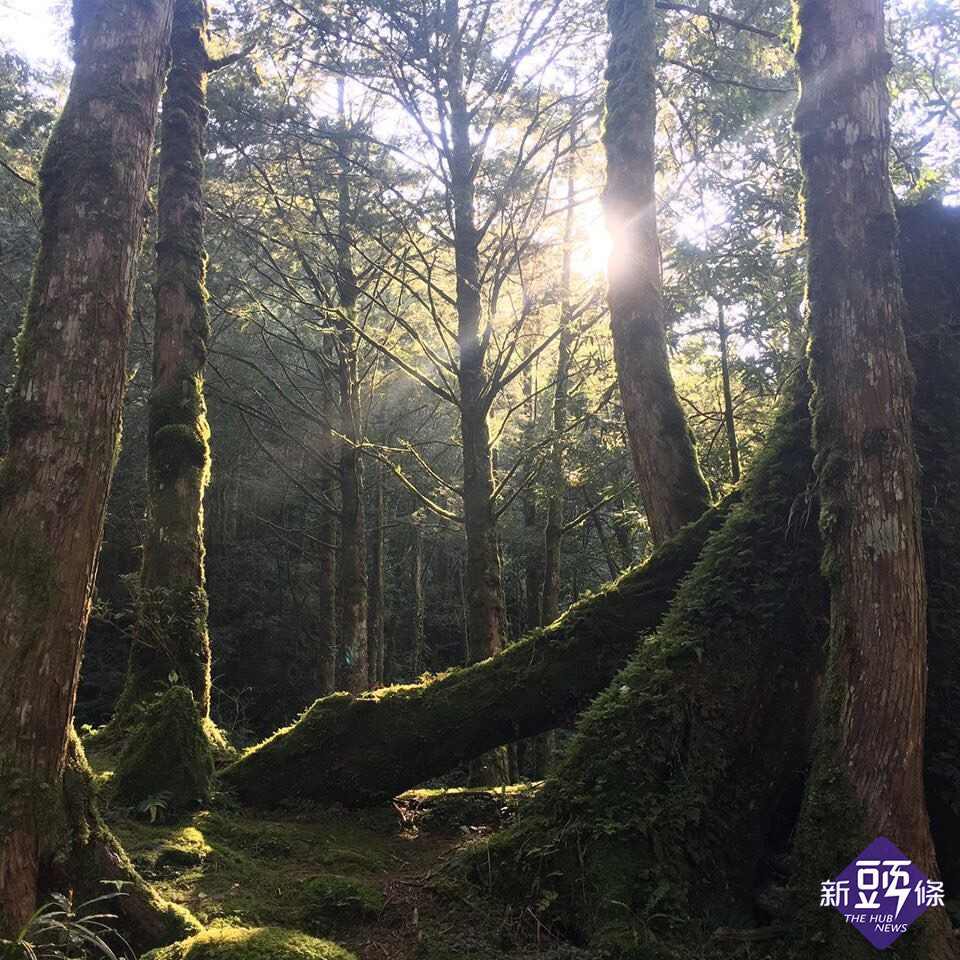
(375, 645)
(171, 629)
(868, 766)
(484, 587)
(64, 419)
(326, 662)
(363, 750)
(672, 488)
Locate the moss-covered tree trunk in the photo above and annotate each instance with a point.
(867, 778)
(170, 637)
(653, 825)
(671, 486)
(63, 421)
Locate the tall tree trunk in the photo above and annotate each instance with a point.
(556, 478)
(353, 563)
(326, 664)
(534, 569)
(375, 645)
(867, 779)
(671, 486)
(171, 629)
(64, 419)
(728, 418)
(416, 591)
(484, 589)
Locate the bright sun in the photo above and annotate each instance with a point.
(593, 251)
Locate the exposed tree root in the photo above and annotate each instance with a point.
(92, 863)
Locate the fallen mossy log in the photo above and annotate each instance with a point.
(359, 750)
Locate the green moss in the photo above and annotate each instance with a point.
(167, 755)
(26, 568)
(89, 854)
(254, 871)
(171, 632)
(223, 750)
(654, 823)
(339, 900)
(455, 808)
(185, 849)
(172, 603)
(177, 445)
(250, 943)
(179, 435)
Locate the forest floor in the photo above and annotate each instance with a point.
(384, 883)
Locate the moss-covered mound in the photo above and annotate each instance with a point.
(335, 900)
(186, 849)
(166, 758)
(250, 943)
